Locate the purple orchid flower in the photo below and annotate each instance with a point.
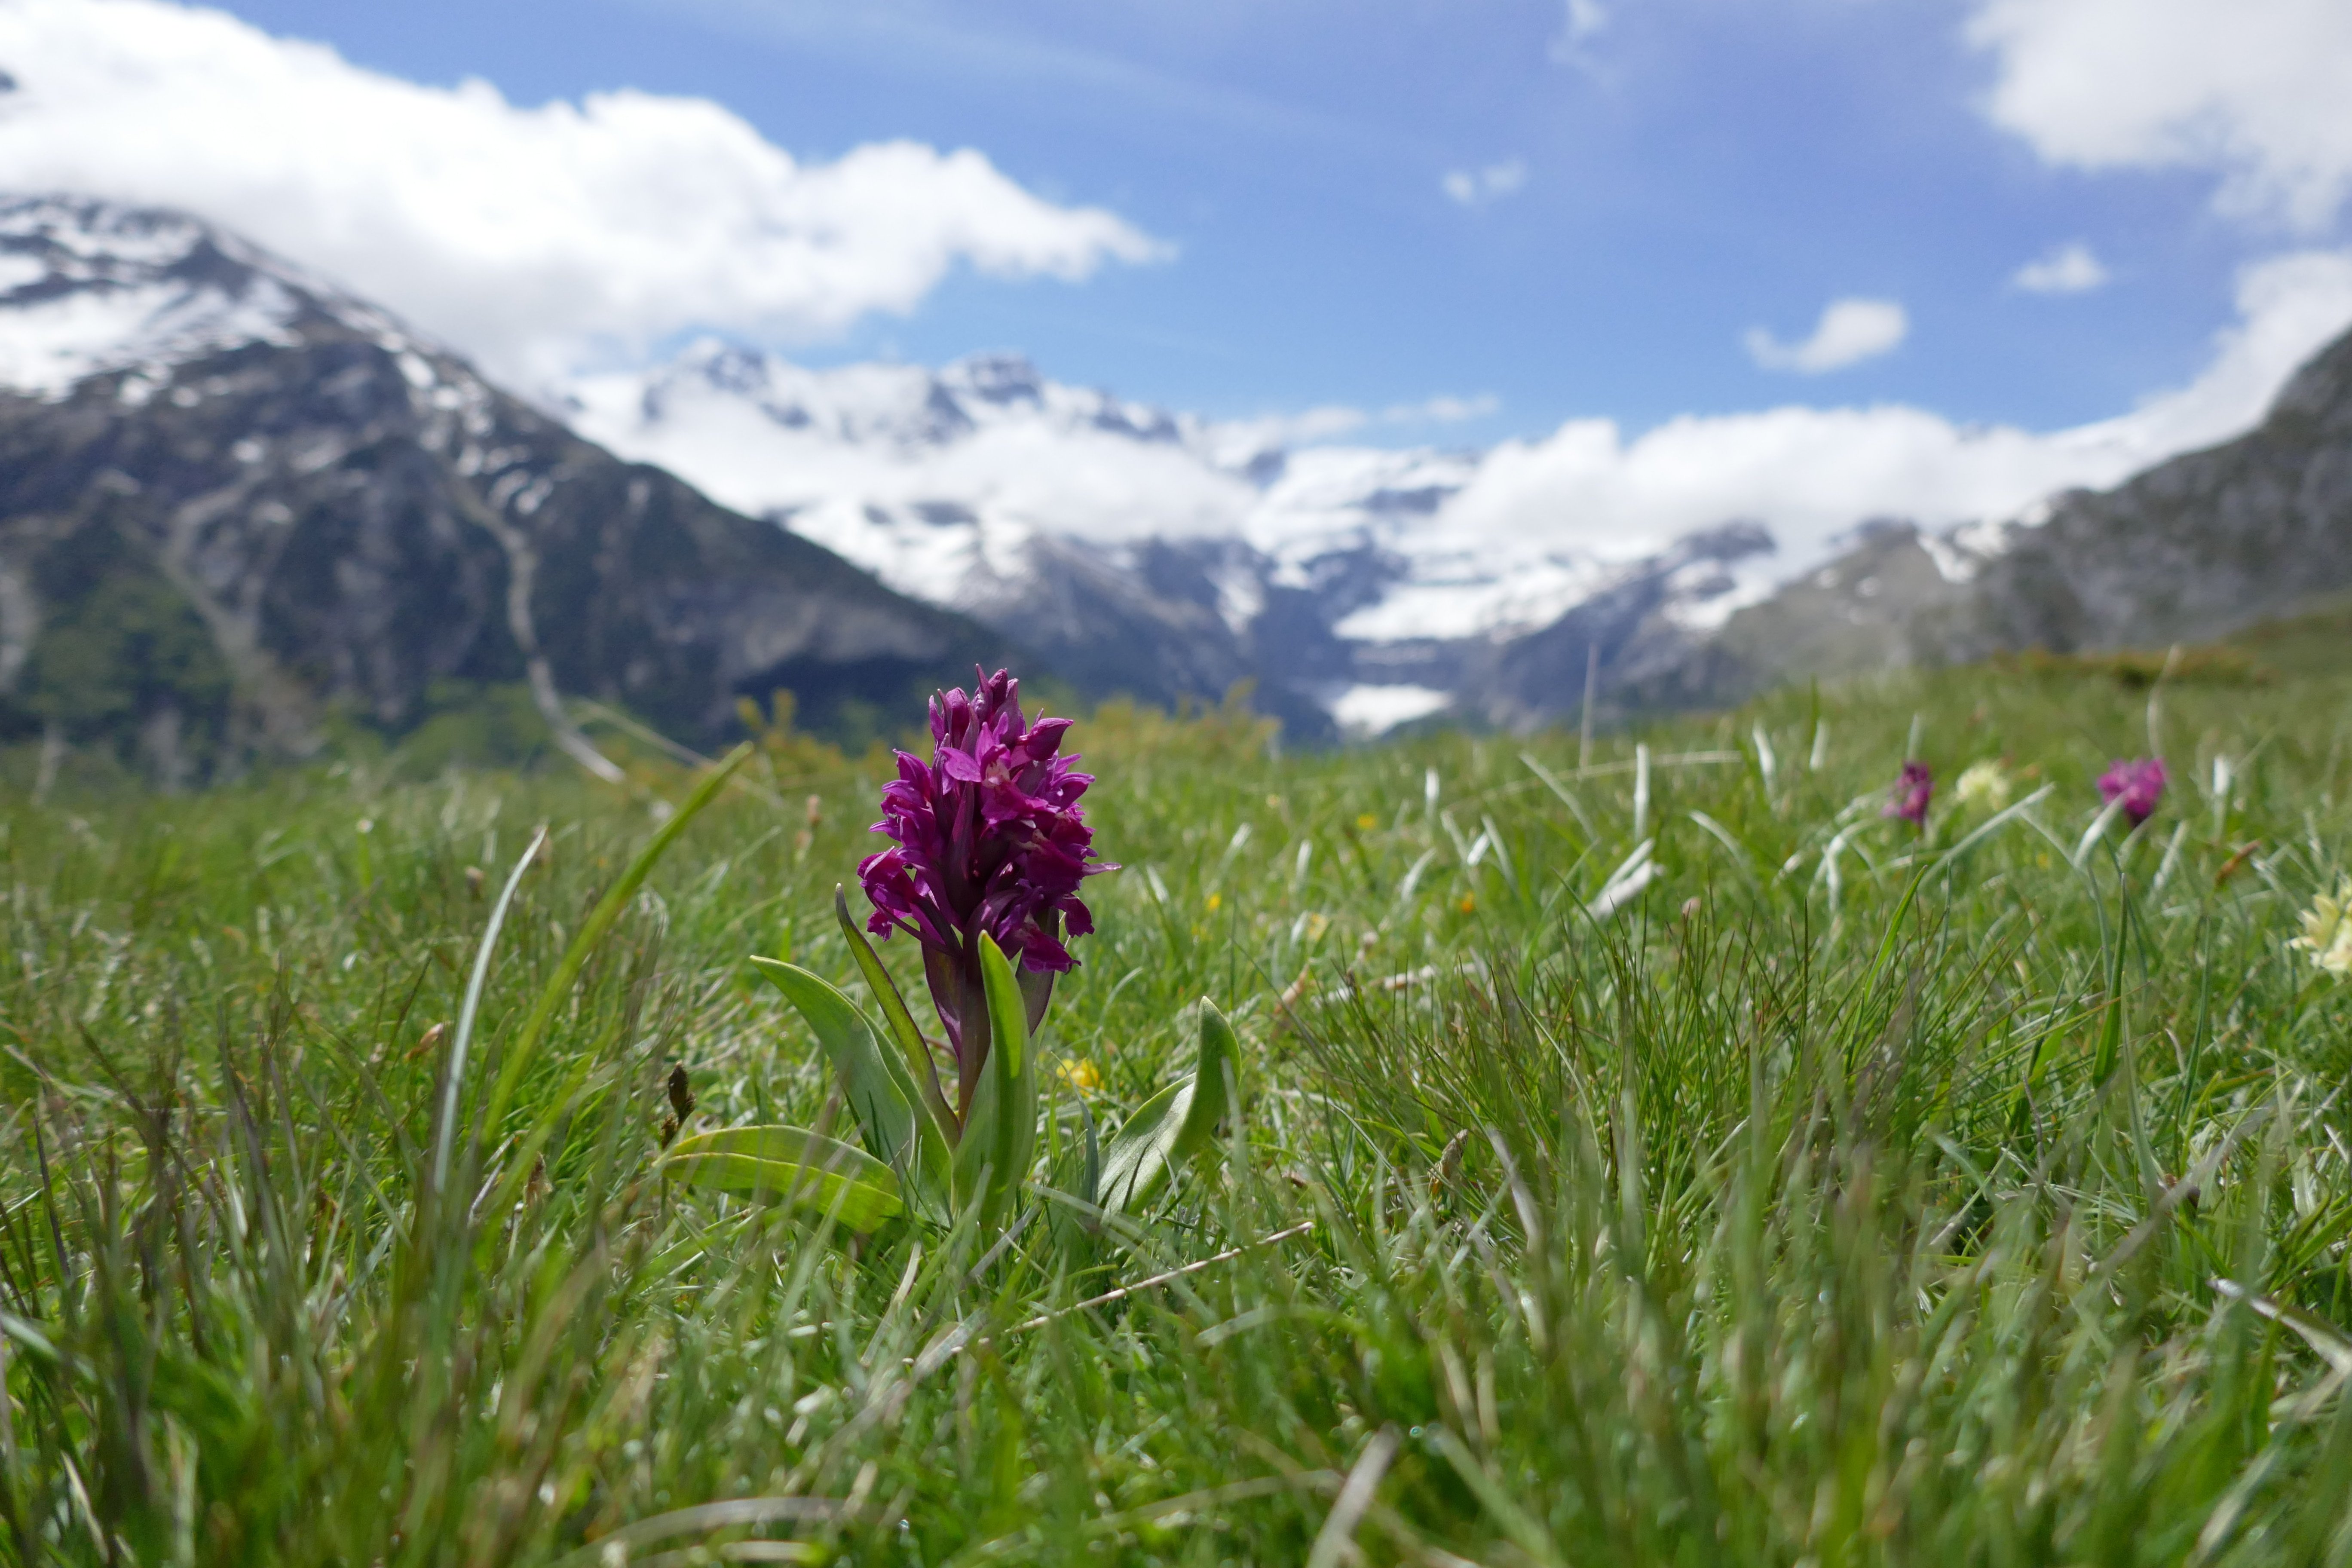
(2138, 783)
(990, 839)
(1912, 793)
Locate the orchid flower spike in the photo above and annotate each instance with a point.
(2138, 784)
(1911, 795)
(989, 838)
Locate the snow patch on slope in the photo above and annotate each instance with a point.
(88, 288)
(87, 292)
(1375, 710)
(55, 342)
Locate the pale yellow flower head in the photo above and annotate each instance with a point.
(2328, 930)
(1983, 786)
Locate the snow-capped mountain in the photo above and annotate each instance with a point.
(1360, 588)
(238, 504)
(90, 288)
(1137, 549)
(342, 513)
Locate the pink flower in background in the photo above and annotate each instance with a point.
(1913, 791)
(990, 839)
(2138, 785)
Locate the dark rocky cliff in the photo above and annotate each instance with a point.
(2192, 549)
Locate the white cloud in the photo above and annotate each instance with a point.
(1849, 331)
(1584, 21)
(1234, 441)
(1442, 410)
(1237, 439)
(1808, 474)
(2070, 269)
(529, 238)
(2255, 89)
(1477, 187)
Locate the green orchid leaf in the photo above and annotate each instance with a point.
(788, 1164)
(1220, 1062)
(1000, 1136)
(1134, 1166)
(1036, 993)
(873, 1081)
(975, 1154)
(1174, 1125)
(870, 1081)
(896, 1016)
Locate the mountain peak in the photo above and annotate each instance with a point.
(2321, 389)
(234, 500)
(90, 286)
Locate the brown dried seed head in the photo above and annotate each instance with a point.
(815, 809)
(681, 1092)
(474, 881)
(1449, 1163)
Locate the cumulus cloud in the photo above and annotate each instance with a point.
(2255, 89)
(530, 237)
(1849, 331)
(1478, 188)
(1808, 474)
(2070, 269)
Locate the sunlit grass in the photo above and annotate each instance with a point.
(1838, 1193)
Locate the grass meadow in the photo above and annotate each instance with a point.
(1802, 1189)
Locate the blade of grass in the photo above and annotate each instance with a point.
(519, 1055)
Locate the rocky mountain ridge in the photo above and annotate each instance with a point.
(2197, 547)
(1360, 587)
(235, 502)
(1136, 548)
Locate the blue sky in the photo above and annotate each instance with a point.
(1687, 171)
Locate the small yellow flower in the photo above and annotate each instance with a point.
(2328, 930)
(1469, 903)
(1366, 821)
(1079, 1074)
(1316, 925)
(1216, 902)
(1984, 784)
